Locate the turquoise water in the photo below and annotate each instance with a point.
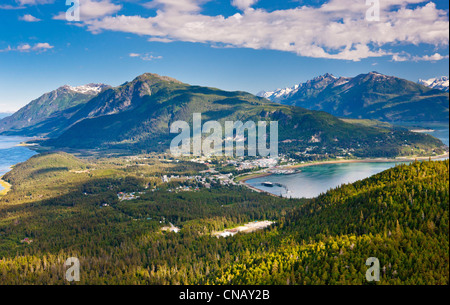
(11, 154)
(317, 179)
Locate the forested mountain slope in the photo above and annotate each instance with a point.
(399, 216)
(33, 119)
(137, 117)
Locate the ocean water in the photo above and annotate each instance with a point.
(11, 153)
(317, 179)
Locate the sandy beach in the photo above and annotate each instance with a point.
(6, 186)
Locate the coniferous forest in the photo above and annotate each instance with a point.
(61, 206)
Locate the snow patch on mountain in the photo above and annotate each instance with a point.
(280, 93)
(87, 89)
(441, 83)
(284, 93)
(376, 76)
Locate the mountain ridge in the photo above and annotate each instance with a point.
(367, 96)
(137, 115)
(61, 101)
(441, 83)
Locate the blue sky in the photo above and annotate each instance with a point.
(245, 45)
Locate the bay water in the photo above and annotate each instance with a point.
(317, 179)
(11, 153)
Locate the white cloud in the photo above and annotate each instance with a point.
(34, 2)
(145, 56)
(179, 6)
(401, 57)
(29, 18)
(337, 29)
(434, 57)
(26, 47)
(408, 57)
(21, 4)
(243, 4)
(6, 50)
(42, 46)
(159, 39)
(11, 7)
(92, 9)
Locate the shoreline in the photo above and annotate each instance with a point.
(6, 185)
(371, 160)
(244, 180)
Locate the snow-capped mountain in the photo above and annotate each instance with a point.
(441, 83)
(316, 83)
(87, 89)
(368, 96)
(279, 93)
(49, 105)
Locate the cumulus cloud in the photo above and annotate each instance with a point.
(337, 29)
(401, 57)
(24, 48)
(145, 56)
(92, 9)
(29, 18)
(42, 46)
(408, 57)
(243, 4)
(434, 57)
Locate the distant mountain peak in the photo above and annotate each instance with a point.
(371, 95)
(325, 76)
(441, 83)
(50, 104)
(317, 82)
(375, 76)
(156, 77)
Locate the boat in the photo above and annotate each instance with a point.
(267, 183)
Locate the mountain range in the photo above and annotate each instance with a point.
(367, 96)
(441, 83)
(136, 116)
